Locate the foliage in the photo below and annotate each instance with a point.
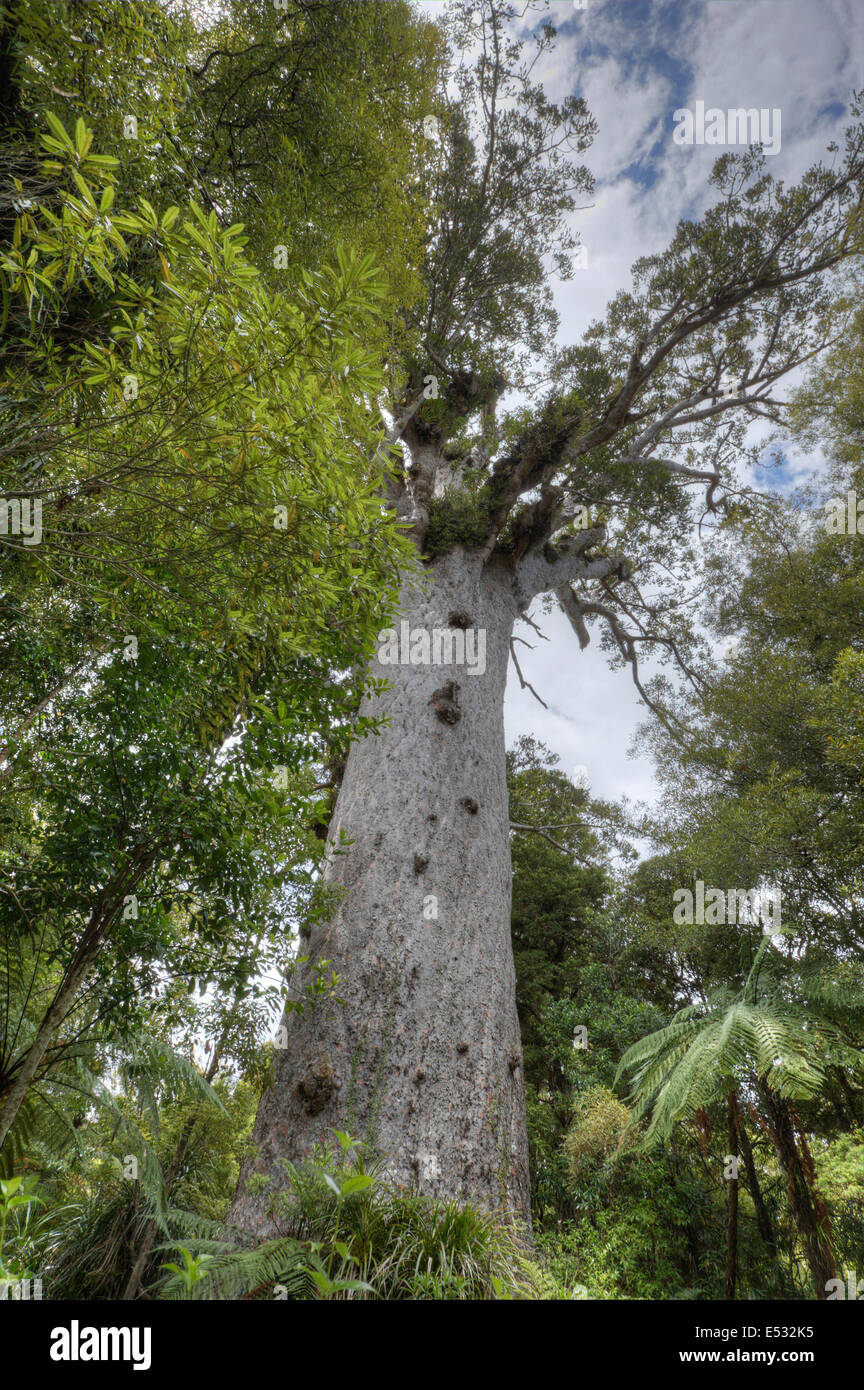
(213, 560)
(600, 1122)
(346, 1233)
(207, 328)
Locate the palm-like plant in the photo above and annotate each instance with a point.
(762, 1035)
(682, 1068)
(86, 1245)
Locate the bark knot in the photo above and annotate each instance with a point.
(421, 863)
(445, 702)
(316, 1086)
(458, 619)
(470, 805)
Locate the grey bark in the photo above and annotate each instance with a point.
(423, 1059)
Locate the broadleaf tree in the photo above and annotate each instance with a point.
(191, 421)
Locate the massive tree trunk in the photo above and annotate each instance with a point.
(423, 1059)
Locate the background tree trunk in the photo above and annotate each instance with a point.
(732, 1200)
(763, 1220)
(807, 1206)
(16, 1083)
(423, 1060)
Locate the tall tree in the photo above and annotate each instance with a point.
(586, 496)
(765, 787)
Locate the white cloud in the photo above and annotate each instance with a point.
(635, 63)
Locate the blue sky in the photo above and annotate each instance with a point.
(636, 62)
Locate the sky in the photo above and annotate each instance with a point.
(636, 62)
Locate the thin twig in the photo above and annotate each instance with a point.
(526, 685)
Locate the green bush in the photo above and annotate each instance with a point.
(599, 1130)
(347, 1233)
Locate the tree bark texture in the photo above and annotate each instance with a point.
(423, 1059)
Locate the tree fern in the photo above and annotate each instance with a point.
(683, 1067)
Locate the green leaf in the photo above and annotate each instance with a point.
(358, 1183)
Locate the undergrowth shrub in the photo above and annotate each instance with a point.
(345, 1232)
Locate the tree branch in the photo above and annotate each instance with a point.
(541, 571)
(526, 685)
(576, 608)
